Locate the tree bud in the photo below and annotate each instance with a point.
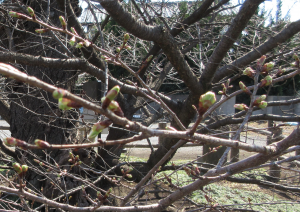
(63, 22)
(149, 58)
(72, 41)
(98, 127)
(126, 37)
(249, 72)
(74, 31)
(266, 81)
(41, 144)
(79, 45)
(87, 43)
(241, 107)
(41, 30)
(58, 93)
(111, 95)
(118, 49)
(128, 47)
(295, 56)
(259, 100)
(24, 168)
(17, 168)
(244, 88)
(206, 100)
(10, 141)
(261, 61)
(31, 12)
(67, 104)
(263, 105)
(17, 15)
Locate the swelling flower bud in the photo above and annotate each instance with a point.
(79, 45)
(17, 168)
(249, 72)
(149, 58)
(263, 105)
(126, 37)
(63, 22)
(58, 93)
(111, 95)
(266, 81)
(205, 101)
(31, 12)
(98, 127)
(41, 144)
(128, 47)
(261, 61)
(17, 15)
(244, 88)
(259, 100)
(10, 141)
(87, 43)
(24, 168)
(241, 107)
(67, 104)
(118, 49)
(266, 68)
(72, 41)
(74, 31)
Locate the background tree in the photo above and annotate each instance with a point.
(197, 48)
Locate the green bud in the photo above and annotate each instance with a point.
(13, 14)
(63, 104)
(111, 95)
(87, 43)
(126, 37)
(17, 168)
(118, 49)
(24, 168)
(261, 61)
(72, 41)
(74, 31)
(266, 81)
(41, 144)
(128, 47)
(79, 45)
(10, 141)
(58, 93)
(206, 100)
(63, 22)
(31, 11)
(149, 58)
(295, 56)
(269, 66)
(98, 127)
(263, 105)
(249, 72)
(241, 106)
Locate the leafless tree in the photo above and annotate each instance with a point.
(149, 51)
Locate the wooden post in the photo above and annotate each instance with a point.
(161, 126)
(274, 170)
(235, 153)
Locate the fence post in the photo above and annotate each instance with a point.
(161, 126)
(274, 170)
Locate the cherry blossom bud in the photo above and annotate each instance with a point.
(63, 22)
(280, 71)
(269, 66)
(126, 37)
(241, 107)
(10, 141)
(74, 31)
(41, 164)
(249, 72)
(263, 105)
(111, 95)
(149, 58)
(72, 41)
(41, 144)
(67, 104)
(98, 127)
(58, 93)
(118, 49)
(205, 101)
(31, 12)
(128, 47)
(42, 30)
(261, 61)
(17, 168)
(87, 43)
(266, 81)
(129, 175)
(35, 160)
(244, 88)
(130, 82)
(24, 168)
(259, 100)
(79, 45)
(17, 15)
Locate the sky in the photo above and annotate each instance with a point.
(292, 6)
